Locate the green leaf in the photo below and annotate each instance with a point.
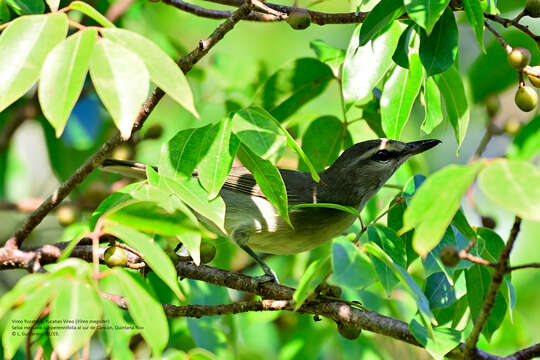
(425, 13)
(461, 223)
(24, 287)
(455, 101)
(192, 242)
(478, 279)
(438, 50)
(475, 15)
(29, 311)
(421, 300)
(5, 14)
(215, 166)
(153, 255)
(432, 101)
(429, 219)
(75, 301)
(401, 55)
(163, 71)
(91, 13)
(315, 273)
(371, 112)
(385, 12)
(439, 291)
(365, 66)
(432, 261)
(145, 310)
(117, 342)
(351, 268)
(445, 339)
(391, 244)
(268, 178)
(53, 4)
(526, 143)
(509, 183)
(26, 7)
(257, 131)
(180, 155)
(349, 209)
(121, 81)
(327, 53)
(192, 193)
(322, 141)
(292, 86)
(62, 77)
(398, 96)
(395, 222)
(21, 61)
(150, 217)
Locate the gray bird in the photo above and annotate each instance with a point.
(252, 222)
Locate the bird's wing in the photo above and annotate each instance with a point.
(241, 180)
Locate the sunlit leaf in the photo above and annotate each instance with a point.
(433, 109)
(153, 255)
(75, 301)
(445, 339)
(425, 215)
(327, 53)
(26, 7)
(475, 15)
(145, 310)
(399, 93)
(62, 77)
(121, 81)
(365, 66)
(163, 71)
(21, 61)
(378, 18)
(509, 183)
(91, 13)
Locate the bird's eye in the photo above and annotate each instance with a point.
(382, 156)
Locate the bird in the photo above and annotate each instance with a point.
(252, 222)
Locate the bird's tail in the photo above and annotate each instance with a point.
(131, 169)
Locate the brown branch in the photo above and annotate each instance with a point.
(524, 266)
(185, 63)
(514, 22)
(525, 354)
(276, 297)
(217, 14)
(319, 18)
(475, 259)
(496, 280)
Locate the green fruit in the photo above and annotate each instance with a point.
(67, 214)
(348, 332)
(519, 58)
(115, 256)
(154, 132)
(492, 105)
(533, 8)
(512, 126)
(526, 98)
(208, 252)
(534, 79)
(299, 19)
(450, 256)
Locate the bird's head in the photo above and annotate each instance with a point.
(364, 167)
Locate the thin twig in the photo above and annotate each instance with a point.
(496, 280)
(475, 259)
(217, 14)
(185, 63)
(524, 266)
(507, 22)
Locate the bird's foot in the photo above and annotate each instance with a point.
(269, 276)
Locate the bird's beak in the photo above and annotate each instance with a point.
(417, 147)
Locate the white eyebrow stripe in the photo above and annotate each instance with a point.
(383, 144)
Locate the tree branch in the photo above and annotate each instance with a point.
(319, 18)
(507, 22)
(217, 14)
(185, 63)
(496, 280)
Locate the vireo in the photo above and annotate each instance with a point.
(252, 221)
